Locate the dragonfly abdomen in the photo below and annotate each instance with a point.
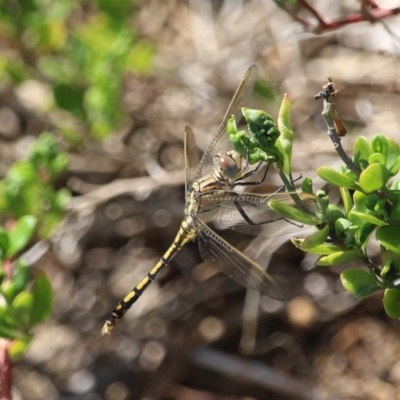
(185, 234)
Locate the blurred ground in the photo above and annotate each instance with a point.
(196, 334)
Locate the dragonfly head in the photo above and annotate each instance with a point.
(229, 164)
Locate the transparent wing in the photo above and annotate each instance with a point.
(191, 157)
(247, 212)
(225, 258)
(220, 141)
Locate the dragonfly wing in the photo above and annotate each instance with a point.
(220, 141)
(248, 212)
(191, 157)
(225, 258)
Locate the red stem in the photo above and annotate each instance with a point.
(5, 371)
(376, 14)
(369, 12)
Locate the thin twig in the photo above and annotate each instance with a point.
(327, 113)
(256, 373)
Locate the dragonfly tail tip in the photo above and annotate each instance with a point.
(106, 329)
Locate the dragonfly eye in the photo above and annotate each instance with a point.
(229, 164)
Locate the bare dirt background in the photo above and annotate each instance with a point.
(196, 334)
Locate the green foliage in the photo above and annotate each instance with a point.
(371, 206)
(26, 303)
(30, 206)
(259, 144)
(84, 53)
(27, 189)
(270, 142)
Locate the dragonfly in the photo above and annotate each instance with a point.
(210, 196)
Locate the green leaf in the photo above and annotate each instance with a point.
(345, 231)
(380, 145)
(316, 239)
(347, 200)
(20, 276)
(364, 233)
(21, 234)
(359, 282)
(371, 201)
(362, 150)
(307, 185)
(42, 299)
(395, 212)
(395, 167)
(389, 236)
(335, 178)
(263, 134)
(7, 328)
(321, 249)
(70, 98)
(249, 146)
(334, 213)
(8, 291)
(21, 308)
(322, 200)
(391, 302)
(4, 243)
(293, 213)
(393, 157)
(390, 265)
(18, 347)
(360, 201)
(373, 178)
(342, 225)
(368, 218)
(21, 173)
(340, 257)
(285, 141)
(377, 158)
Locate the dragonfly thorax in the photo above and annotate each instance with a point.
(229, 165)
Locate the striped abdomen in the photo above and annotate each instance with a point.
(185, 234)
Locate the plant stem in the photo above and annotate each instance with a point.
(327, 113)
(5, 371)
(288, 182)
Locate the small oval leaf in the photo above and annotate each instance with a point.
(359, 282)
(362, 150)
(377, 158)
(373, 178)
(21, 234)
(334, 177)
(42, 299)
(21, 308)
(391, 302)
(380, 144)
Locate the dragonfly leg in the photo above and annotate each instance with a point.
(248, 219)
(251, 173)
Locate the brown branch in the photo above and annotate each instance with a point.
(5, 370)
